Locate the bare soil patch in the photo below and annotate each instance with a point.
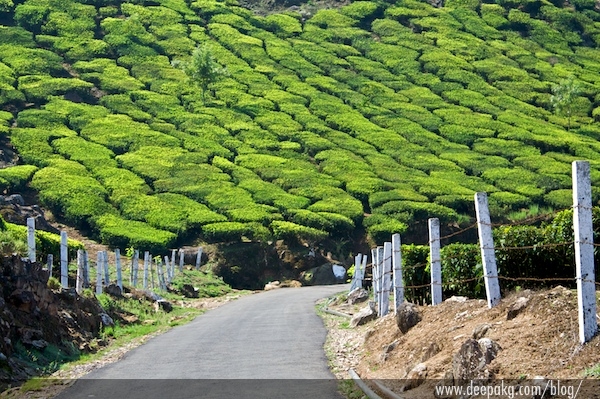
(542, 340)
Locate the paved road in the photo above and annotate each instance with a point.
(266, 345)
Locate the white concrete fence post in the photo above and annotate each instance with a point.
(80, 272)
(363, 269)
(386, 280)
(106, 269)
(49, 265)
(146, 261)
(134, 267)
(64, 260)
(119, 270)
(380, 273)
(181, 259)
(199, 258)
(172, 269)
(99, 263)
(86, 270)
(397, 266)
(374, 273)
(166, 279)
(31, 239)
(488, 255)
(436, 261)
(584, 250)
(356, 276)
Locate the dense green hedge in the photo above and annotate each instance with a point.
(369, 117)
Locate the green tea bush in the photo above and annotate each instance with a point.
(289, 230)
(122, 233)
(70, 192)
(15, 178)
(462, 262)
(121, 134)
(119, 181)
(89, 154)
(122, 103)
(283, 25)
(16, 36)
(171, 212)
(405, 192)
(473, 163)
(226, 231)
(107, 75)
(417, 210)
(380, 228)
(258, 213)
(33, 144)
(508, 149)
(41, 87)
(517, 180)
(464, 135)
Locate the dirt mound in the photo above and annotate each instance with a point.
(539, 340)
(35, 318)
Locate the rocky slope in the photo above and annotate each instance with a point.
(534, 334)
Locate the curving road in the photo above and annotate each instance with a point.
(266, 345)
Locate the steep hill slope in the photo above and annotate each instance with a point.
(357, 121)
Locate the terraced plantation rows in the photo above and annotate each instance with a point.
(374, 115)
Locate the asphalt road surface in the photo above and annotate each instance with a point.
(266, 345)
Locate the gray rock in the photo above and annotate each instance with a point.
(113, 290)
(489, 349)
(163, 304)
(39, 344)
(107, 321)
(469, 363)
(321, 275)
(481, 330)
(459, 299)
(517, 308)
(364, 316)
(415, 377)
(407, 316)
(357, 295)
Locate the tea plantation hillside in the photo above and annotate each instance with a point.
(358, 120)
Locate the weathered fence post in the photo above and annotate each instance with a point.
(436, 261)
(119, 271)
(173, 252)
(386, 281)
(86, 270)
(397, 266)
(106, 270)
(363, 269)
(80, 272)
(64, 260)
(146, 260)
(99, 263)
(166, 271)
(488, 255)
(584, 250)
(356, 279)
(31, 239)
(49, 265)
(134, 267)
(381, 272)
(374, 273)
(181, 258)
(199, 258)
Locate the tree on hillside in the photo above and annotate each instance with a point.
(563, 97)
(202, 69)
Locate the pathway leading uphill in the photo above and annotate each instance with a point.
(267, 345)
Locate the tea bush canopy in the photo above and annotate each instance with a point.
(161, 123)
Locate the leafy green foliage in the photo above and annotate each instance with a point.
(368, 118)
